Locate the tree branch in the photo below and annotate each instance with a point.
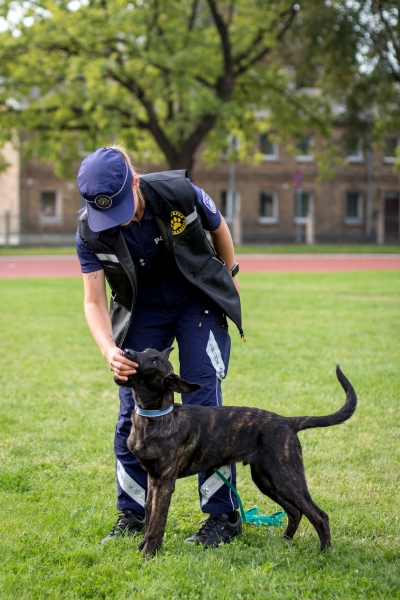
(223, 34)
(185, 158)
(389, 32)
(152, 123)
(193, 15)
(266, 49)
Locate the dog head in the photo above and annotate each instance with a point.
(154, 376)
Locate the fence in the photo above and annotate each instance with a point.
(29, 230)
(317, 228)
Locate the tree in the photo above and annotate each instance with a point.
(162, 75)
(352, 53)
(374, 100)
(379, 22)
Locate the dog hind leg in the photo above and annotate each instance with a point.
(290, 484)
(294, 515)
(320, 520)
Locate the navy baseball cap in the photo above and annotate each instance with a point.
(105, 182)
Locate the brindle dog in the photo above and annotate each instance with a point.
(190, 439)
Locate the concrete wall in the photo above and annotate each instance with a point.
(10, 196)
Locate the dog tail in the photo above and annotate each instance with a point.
(347, 410)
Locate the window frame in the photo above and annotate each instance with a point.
(230, 203)
(307, 157)
(356, 158)
(43, 219)
(302, 220)
(270, 157)
(360, 201)
(390, 160)
(275, 208)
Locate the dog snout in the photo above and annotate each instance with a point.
(130, 354)
(123, 383)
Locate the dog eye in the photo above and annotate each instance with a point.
(154, 362)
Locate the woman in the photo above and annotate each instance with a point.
(146, 236)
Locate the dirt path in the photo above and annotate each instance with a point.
(16, 267)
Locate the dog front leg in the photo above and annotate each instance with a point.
(159, 499)
(147, 513)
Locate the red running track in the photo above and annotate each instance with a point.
(316, 263)
(16, 267)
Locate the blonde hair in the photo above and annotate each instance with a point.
(122, 150)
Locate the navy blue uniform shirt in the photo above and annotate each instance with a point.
(160, 282)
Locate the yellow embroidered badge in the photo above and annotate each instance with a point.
(178, 222)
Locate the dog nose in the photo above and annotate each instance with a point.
(131, 354)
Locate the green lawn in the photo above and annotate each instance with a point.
(57, 416)
(245, 249)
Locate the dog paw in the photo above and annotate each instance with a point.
(150, 548)
(148, 551)
(142, 544)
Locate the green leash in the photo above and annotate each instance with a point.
(251, 516)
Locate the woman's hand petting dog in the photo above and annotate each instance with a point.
(119, 363)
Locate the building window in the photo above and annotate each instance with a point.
(354, 153)
(390, 151)
(268, 208)
(302, 206)
(392, 214)
(305, 150)
(268, 148)
(228, 204)
(50, 206)
(353, 208)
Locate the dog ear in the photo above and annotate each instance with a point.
(165, 353)
(177, 384)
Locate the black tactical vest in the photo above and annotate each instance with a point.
(173, 202)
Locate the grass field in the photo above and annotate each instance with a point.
(57, 416)
(245, 249)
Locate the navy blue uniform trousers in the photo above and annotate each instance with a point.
(201, 331)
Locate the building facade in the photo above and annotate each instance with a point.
(361, 203)
(269, 202)
(10, 199)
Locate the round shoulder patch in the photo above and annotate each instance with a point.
(178, 222)
(208, 203)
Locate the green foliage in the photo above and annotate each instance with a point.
(352, 53)
(164, 76)
(169, 77)
(57, 414)
(3, 164)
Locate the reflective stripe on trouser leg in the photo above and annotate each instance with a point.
(210, 485)
(130, 486)
(131, 477)
(214, 354)
(204, 359)
(213, 484)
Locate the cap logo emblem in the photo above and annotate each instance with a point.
(103, 202)
(178, 222)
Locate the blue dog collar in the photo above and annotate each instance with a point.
(153, 413)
